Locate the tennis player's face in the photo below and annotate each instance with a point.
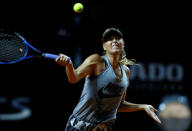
(113, 45)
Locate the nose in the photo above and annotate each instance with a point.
(115, 42)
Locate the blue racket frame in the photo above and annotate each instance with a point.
(46, 55)
(27, 49)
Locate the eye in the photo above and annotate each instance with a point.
(114, 38)
(111, 38)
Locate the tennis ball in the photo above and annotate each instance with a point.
(78, 7)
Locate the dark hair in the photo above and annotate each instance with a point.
(111, 32)
(116, 32)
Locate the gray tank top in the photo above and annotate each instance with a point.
(101, 95)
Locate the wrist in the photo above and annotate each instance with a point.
(142, 106)
(69, 63)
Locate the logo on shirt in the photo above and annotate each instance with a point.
(111, 90)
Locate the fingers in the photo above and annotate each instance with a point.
(62, 60)
(155, 110)
(151, 112)
(155, 117)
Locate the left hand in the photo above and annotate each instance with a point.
(151, 112)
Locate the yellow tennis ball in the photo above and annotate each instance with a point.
(78, 7)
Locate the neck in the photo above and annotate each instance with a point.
(114, 60)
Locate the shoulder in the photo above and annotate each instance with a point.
(94, 59)
(127, 70)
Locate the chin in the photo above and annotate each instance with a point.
(116, 52)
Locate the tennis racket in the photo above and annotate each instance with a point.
(14, 48)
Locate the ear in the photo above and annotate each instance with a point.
(104, 48)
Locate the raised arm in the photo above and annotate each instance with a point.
(85, 69)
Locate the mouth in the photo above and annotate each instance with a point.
(115, 46)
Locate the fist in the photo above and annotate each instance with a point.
(63, 60)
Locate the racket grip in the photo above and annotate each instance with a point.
(52, 56)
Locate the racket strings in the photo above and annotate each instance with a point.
(11, 48)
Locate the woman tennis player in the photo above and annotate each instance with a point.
(104, 91)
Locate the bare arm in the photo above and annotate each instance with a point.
(85, 69)
(127, 106)
(131, 107)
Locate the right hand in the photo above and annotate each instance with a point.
(62, 60)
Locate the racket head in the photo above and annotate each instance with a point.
(13, 48)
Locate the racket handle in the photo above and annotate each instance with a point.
(52, 56)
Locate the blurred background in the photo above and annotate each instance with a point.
(35, 93)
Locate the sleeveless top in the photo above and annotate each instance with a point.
(101, 95)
